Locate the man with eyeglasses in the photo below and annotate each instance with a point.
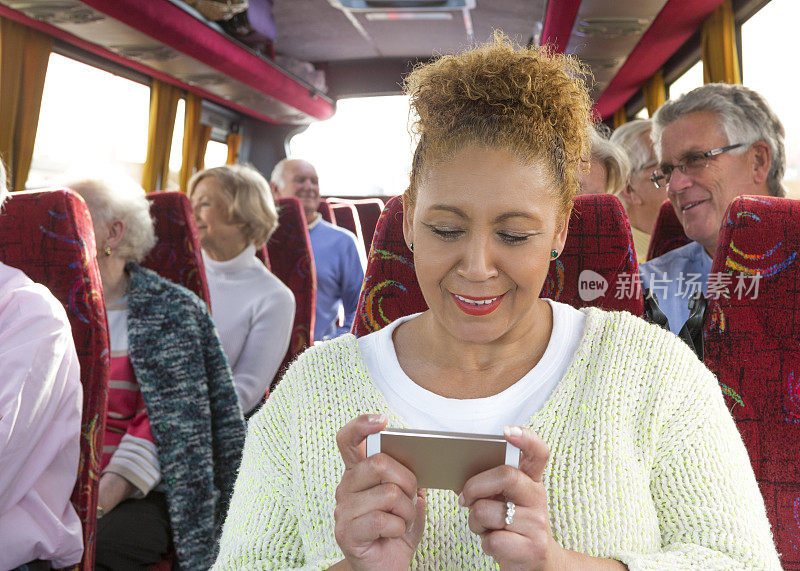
(713, 144)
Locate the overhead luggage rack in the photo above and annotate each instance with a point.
(168, 40)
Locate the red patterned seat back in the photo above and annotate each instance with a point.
(176, 255)
(369, 210)
(667, 233)
(326, 210)
(293, 263)
(346, 217)
(263, 255)
(49, 236)
(390, 286)
(598, 266)
(752, 343)
(599, 240)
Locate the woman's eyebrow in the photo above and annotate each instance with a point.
(453, 209)
(517, 214)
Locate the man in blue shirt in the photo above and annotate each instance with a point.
(713, 144)
(338, 259)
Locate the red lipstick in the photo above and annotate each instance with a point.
(477, 309)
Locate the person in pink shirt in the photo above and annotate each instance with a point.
(40, 423)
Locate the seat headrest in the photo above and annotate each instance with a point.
(49, 235)
(292, 261)
(176, 255)
(667, 233)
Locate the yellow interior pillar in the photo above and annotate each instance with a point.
(163, 108)
(234, 142)
(195, 140)
(720, 54)
(655, 92)
(24, 55)
(620, 118)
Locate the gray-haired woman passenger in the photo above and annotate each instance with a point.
(253, 310)
(608, 167)
(174, 429)
(641, 199)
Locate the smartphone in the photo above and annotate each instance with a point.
(443, 460)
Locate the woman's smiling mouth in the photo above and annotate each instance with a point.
(477, 306)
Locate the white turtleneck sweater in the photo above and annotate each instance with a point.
(254, 312)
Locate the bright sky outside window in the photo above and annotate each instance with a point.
(767, 38)
(365, 148)
(89, 120)
(693, 77)
(216, 154)
(176, 150)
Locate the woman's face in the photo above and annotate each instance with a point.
(211, 213)
(594, 179)
(483, 228)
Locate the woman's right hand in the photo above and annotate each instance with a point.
(380, 513)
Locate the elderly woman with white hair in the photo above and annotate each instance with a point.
(608, 166)
(174, 430)
(40, 425)
(641, 199)
(252, 309)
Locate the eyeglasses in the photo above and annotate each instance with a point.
(691, 165)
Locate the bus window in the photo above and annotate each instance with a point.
(216, 154)
(766, 37)
(364, 149)
(692, 77)
(176, 150)
(90, 119)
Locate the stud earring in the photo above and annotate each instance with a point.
(411, 246)
(554, 254)
(107, 250)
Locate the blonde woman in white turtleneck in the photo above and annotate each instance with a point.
(252, 309)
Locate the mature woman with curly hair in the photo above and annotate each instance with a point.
(628, 454)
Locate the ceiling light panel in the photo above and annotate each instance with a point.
(390, 16)
(414, 5)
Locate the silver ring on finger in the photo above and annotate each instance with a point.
(510, 509)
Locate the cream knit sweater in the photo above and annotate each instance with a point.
(646, 463)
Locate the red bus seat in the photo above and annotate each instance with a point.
(598, 266)
(599, 239)
(49, 236)
(293, 263)
(176, 255)
(327, 211)
(752, 343)
(390, 287)
(346, 217)
(667, 233)
(369, 210)
(263, 255)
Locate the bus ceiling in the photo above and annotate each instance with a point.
(170, 41)
(364, 46)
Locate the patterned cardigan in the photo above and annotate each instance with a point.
(195, 416)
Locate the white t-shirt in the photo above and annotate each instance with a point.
(253, 312)
(423, 409)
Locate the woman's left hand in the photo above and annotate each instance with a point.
(527, 542)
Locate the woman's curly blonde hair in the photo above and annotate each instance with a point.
(529, 101)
